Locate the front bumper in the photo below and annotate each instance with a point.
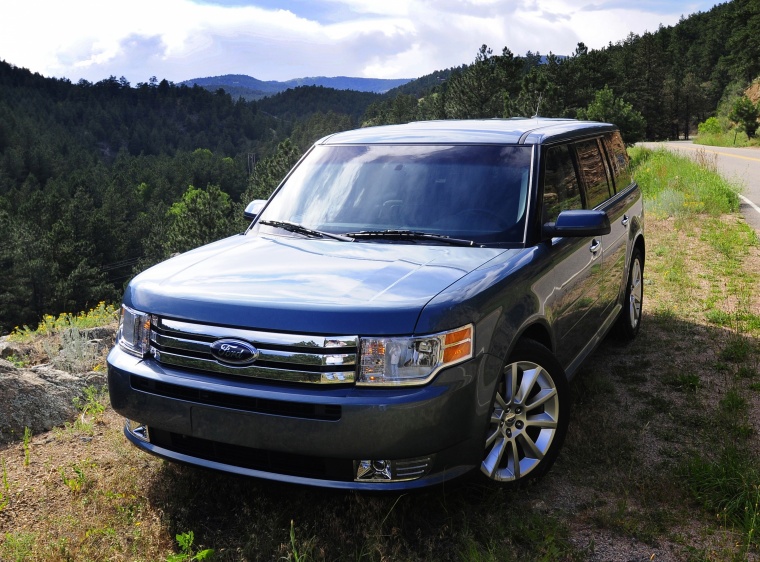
(305, 435)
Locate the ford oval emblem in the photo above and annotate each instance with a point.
(234, 352)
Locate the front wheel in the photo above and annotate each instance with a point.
(529, 416)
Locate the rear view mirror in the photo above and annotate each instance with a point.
(578, 223)
(253, 209)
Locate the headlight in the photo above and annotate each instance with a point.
(134, 331)
(410, 361)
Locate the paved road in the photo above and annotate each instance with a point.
(738, 165)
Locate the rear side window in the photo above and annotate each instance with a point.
(592, 168)
(561, 187)
(618, 155)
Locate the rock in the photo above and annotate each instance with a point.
(104, 333)
(40, 398)
(8, 349)
(6, 366)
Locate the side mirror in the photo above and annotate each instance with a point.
(253, 209)
(578, 223)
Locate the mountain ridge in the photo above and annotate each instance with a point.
(250, 88)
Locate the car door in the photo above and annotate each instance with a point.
(597, 182)
(573, 305)
(621, 210)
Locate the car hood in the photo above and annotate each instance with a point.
(304, 285)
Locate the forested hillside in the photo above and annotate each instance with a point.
(303, 101)
(661, 84)
(99, 180)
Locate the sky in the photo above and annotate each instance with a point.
(180, 40)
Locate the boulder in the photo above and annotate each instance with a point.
(39, 398)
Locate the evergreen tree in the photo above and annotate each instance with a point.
(539, 95)
(270, 171)
(745, 113)
(200, 217)
(475, 91)
(609, 109)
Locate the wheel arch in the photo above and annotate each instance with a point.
(640, 245)
(537, 332)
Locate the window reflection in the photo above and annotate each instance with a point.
(474, 192)
(561, 188)
(619, 159)
(592, 169)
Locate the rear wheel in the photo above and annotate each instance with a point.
(529, 416)
(629, 321)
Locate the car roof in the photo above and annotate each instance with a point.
(538, 130)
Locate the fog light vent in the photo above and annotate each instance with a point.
(138, 430)
(412, 468)
(392, 470)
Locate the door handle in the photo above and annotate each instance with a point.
(626, 220)
(595, 246)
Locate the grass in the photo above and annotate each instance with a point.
(19, 547)
(727, 139)
(729, 486)
(662, 447)
(4, 492)
(676, 187)
(723, 478)
(27, 446)
(91, 406)
(77, 482)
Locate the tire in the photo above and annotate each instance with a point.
(529, 417)
(629, 321)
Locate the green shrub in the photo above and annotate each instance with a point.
(710, 127)
(102, 315)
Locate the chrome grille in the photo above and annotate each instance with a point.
(278, 357)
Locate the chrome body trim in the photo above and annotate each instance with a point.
(258, 338)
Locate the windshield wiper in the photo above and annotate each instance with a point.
(411, 235)
(306, 231)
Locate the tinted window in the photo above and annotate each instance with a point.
(618, 155)
(591, 163)
(561, 188)
(473, 192)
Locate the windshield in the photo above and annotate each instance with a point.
(477, 192)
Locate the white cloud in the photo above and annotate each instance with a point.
(182, 39)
